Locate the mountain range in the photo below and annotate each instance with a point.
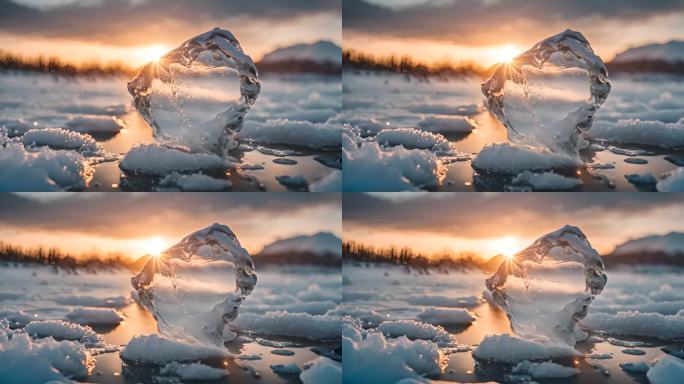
(666, 57)
(323, 57)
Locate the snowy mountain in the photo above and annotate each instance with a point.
(655, 249)
(670, 52)
(321, 52)
(322, 248)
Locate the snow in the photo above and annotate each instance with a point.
(193, 182)
(671, 243)
(154, 159)
(664, 327)
(637, 131)
(303, 325)
(193, 371)
(41, 361)
(547, 181)
(447, 124)
(512, 159)
(332, 182)
(92, 301)
(639, 367)
(443, 301)
(293, 181)
(321, 243)
(63, 330)
(299, 133)
(672, 51)
(641, 178)
(94, 124)
(412, 138)
(544, 370)
(95, 316)
(319, 52)
(372, 358)
(159, 350)
(667, 370)
(58, 138)
(674, 182)
(322, 371)
(41, 170)
(371, 168)
(446, 316)
(415, 330)
(510, 349)
(287, 369)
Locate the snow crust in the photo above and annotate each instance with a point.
(412, 138)
(95, 316)
(293, 132)
(159, 350)
(505, 348)
(193, 371)
(544, 370)
(63, 330)
(657, 325)
(154, 159)
(511, 159)
(667, 370)
(546, 181)
(193, 182)
(447, 124)
(446, 316)
(637, 131)
(304, 325)
(322, 371)
(58, 138)
(673, 182)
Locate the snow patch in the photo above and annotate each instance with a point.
(511, 159)
(510, 349)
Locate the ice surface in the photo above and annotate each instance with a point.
(95, 316)
(370, 357)
(634, 323)
(673, 182)
(304, 325)
(159, 350)
(668, 370)
(546, 288)
(322, 371)
(547, 96)
(512, 159)
(187, 289)
(153, 159)
(197, 95)
(642, 132)
(510, 349)
(193, 371)
(544, 370)
(446, 316)
(287, 369)
(299, 133)
(547, 181)
(193, 182)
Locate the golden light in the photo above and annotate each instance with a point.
(150, 53)
(154, 246)
(507, 246)
(505, 53)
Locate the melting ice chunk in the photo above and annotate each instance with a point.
(546, 97)
(197, 95)
(187, 287)
(546, 288)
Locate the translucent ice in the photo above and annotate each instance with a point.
(197, 95)
(546, 288)
(187, 287)
(547, 96)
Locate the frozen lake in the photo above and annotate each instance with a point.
(285, 134)
(653, 144)
(375, 293)
(310, 302)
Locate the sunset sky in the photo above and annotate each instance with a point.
(493, 223)
(134, 31)
(140, 223)
(487, 31)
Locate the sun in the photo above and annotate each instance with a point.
(151, 53)
(505, 53)
(154, 246)
(507, 246)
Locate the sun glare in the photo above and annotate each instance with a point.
(507, 246)
(151, 53)
(505, 53)
(154, 246)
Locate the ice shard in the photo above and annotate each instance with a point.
(197, 95)
(188, 287)
(547, 288)
(547, 96)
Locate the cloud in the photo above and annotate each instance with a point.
(485, 22)
(480, 215)
(126, 21)
(133, 215)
